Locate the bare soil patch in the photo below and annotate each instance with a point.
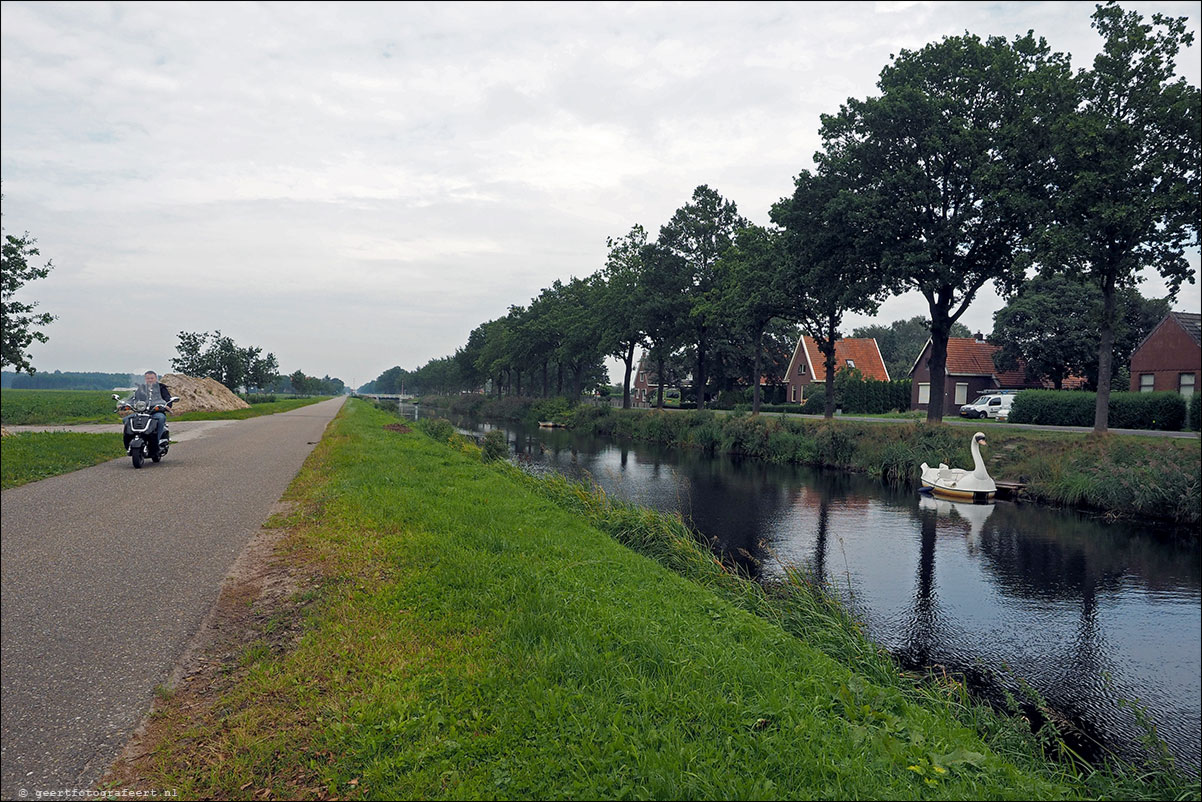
(201, 395)
(397, 427)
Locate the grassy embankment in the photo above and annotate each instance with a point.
(1125, 475)
(30, 456)
(475, 633)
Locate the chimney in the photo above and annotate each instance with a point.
(980, 337)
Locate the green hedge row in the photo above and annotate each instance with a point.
(1195, 411)
(865, 397)
(1163, 411)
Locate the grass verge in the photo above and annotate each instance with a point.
(254, 411)
(30, 456)
(473, 634)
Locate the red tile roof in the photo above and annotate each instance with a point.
(967, 356)
(863, 352)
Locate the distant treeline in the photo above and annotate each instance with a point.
(68, 380)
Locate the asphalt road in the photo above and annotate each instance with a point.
(108, 572)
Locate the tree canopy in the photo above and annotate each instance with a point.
(20, 321)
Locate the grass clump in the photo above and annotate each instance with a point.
(478, 635)
(31, 456)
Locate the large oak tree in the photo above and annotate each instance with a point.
(1127, 194)
(950, 165)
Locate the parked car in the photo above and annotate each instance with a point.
(996, 406)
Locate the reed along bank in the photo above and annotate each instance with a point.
(466, 631)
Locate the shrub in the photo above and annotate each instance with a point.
(1195, 411)
(816, 403)
(495, 446)
(258, 398)
(1164, 411)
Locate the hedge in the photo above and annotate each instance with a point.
(1164, 411)
(1195, 411)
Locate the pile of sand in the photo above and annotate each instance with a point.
(208, 395)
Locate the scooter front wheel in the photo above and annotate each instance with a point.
(137, 456)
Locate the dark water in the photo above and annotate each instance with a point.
(1101, 619)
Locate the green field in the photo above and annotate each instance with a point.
(56, 407)
(30, 456)
(52, 407)
(463, 632)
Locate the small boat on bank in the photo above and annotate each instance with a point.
(550, 424)
(960, 484)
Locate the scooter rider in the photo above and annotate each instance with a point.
(151, 392)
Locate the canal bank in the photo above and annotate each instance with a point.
(1138, 476)
(467, 636)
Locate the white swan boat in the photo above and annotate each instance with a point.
(960, 484)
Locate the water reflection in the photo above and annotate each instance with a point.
(1086, 613)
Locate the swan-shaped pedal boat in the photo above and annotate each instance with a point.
(959, 484)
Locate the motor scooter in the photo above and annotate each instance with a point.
(139, 428)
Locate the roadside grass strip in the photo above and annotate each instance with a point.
(30, 456)
(254, 411)
(472, 637)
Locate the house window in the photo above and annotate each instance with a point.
(851, 363)
(1185, 384)
(801, 368)
(924, 393)
(961, 392)
(1147, 382)
(793, 393)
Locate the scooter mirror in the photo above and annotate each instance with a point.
(116, 397)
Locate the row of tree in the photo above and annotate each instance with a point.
(980, 161)
(218, 357)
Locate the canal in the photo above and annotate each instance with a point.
(1100, 619)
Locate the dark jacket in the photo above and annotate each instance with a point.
(142, 393)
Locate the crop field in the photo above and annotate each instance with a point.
(34, 407)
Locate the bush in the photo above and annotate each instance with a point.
(495, 446)
(1163, 411)
(1195, 411)
(816, 403)
(258, 398)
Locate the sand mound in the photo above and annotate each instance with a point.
(195, 395)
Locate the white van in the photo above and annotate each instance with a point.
(996, 406)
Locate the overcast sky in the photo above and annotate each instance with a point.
(357, 186)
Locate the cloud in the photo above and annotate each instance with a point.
(355, 186)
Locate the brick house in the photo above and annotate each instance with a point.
(1170, 357)
(808, 365)
(970, 373)
(644, 390)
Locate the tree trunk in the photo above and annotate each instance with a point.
(546, 387)
(518, 383)
(828, 353)
(755, 378)
(1101, 413)
(629, 360)
(699, 379)
(659, 379)
(559, 378)
(941, 328)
